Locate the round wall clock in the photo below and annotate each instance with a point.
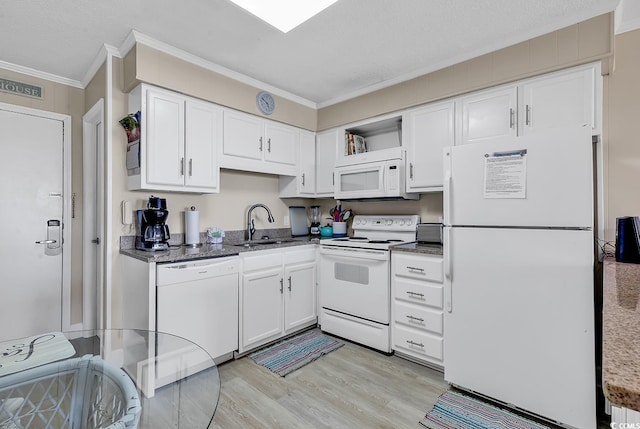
(265, 102)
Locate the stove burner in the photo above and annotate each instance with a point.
(341, 239)
(358, 238)
(380, 241)
(395, 240)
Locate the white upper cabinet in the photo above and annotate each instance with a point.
(488, 114)
(304, 183)
(429, 130)
(179, 141)
(203, 125)
(252, 143)
(558, 100)
(326, 146)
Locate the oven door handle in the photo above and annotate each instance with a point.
(345, 252)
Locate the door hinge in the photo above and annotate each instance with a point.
(96, 240)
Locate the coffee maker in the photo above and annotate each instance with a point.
(153, 232)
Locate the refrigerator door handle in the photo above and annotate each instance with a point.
(447, 197)
(447, 269)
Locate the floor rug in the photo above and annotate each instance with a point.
(456, 411)
(295, 352)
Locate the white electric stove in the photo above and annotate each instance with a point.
(355, 279)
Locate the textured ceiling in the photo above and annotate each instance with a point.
(351, 47)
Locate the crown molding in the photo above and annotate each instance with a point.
(40, 74)
(208, 65)
(106, 51)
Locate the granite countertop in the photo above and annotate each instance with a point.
(182, 253)
(621, 334)
(428, 249)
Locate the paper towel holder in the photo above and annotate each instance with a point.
(192, 220)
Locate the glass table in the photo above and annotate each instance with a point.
(92, 379)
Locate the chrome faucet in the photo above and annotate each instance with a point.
(251, 229)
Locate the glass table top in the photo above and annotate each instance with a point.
(91, 379)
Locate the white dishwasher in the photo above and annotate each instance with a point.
(198, 300)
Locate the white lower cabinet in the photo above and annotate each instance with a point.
(277, 294)
(417, 326)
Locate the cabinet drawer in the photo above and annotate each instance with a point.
(424, 267)
(300, 254)
(261, 260)
(424, 293)
(418, 317)
(418, 344)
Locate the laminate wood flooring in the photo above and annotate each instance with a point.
(352, 387)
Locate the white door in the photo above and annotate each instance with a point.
(203, 134)
(326, 143)
(300, 295)
(560, 100)
(551, 185)
(519, 312)
(355, 282)
(31, 185)
(281, 145)
(489, 114)
(165, 138)
(430, 130)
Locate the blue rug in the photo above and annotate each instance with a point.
(456, 411)
(295, 352)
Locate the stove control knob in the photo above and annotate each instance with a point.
(401, 222)
(389, 222)
(409, 222)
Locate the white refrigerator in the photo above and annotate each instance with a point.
(519, 282)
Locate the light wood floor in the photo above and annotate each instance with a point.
(352, 387)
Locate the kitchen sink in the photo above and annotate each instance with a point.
(261, 242)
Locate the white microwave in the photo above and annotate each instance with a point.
(380, 179)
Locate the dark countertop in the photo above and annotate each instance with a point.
(424, 248)
(205, 251)
(621, 334)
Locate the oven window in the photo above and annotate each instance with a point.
(351, 273)
(362, 181)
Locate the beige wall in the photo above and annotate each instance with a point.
(578, 44)
(65, 100)
(145, 64)
(621, 141)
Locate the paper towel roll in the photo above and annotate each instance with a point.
(192, 226)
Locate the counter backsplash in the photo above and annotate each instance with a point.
(177, 239)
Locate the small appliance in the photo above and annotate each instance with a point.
(315, 220)
(153, 232)
(377, 176)
(429, 233)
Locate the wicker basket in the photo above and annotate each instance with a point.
(78, 393)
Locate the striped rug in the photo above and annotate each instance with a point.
(295, 352)
(456, 411)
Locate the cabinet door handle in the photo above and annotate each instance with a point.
(414, 294)
(281, 285)
(512, 115)
(182, 166)
(420, 270)
(289, 283)
(527, 117)
(269, 145)
(415, 319)
(333, 179)
(260, 146)
(413, 343)
(411, 170)
(302, 179)
(190, 167)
